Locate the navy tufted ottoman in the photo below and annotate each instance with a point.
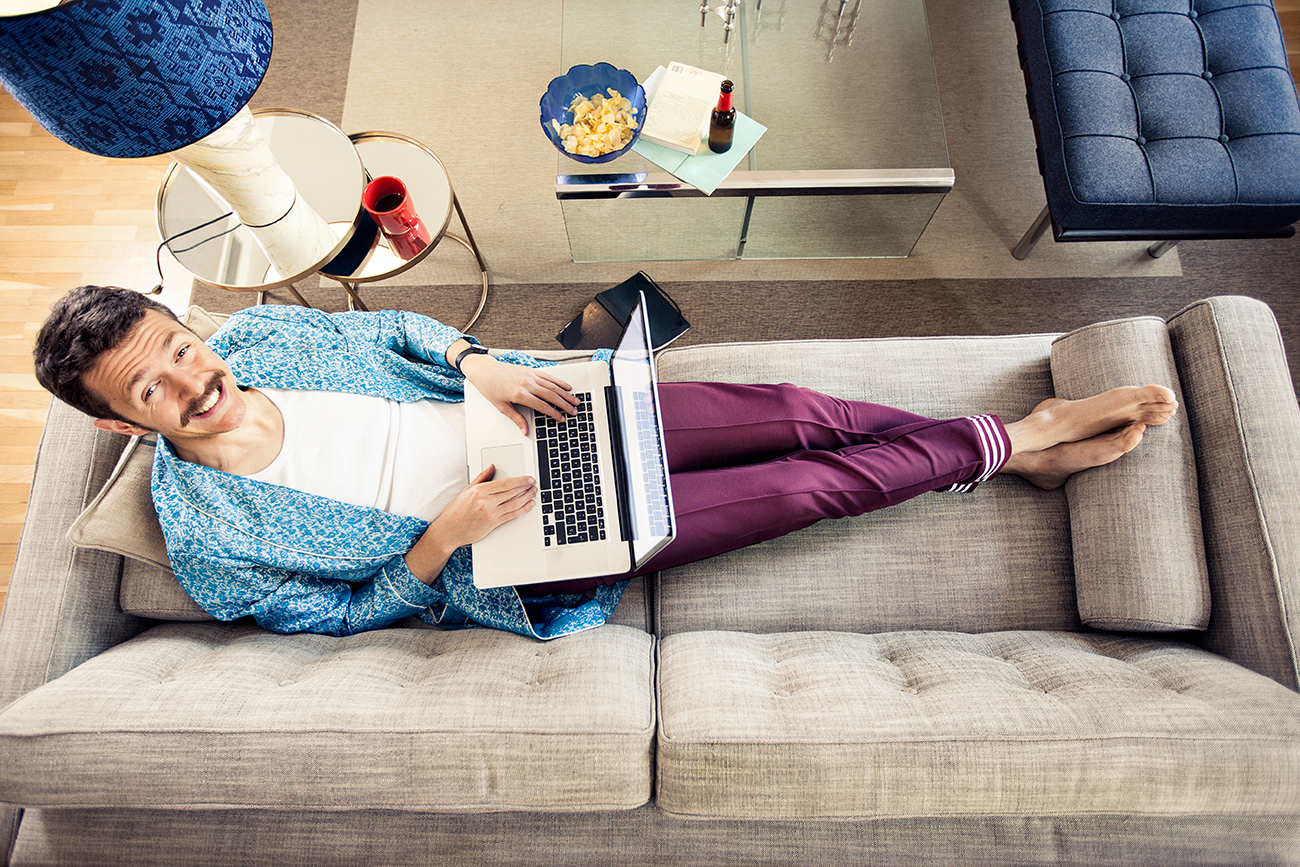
(1160, 119)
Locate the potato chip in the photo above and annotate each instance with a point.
(601, 124)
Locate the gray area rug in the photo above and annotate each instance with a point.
(337, 58)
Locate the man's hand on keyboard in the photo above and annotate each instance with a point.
(509, 386)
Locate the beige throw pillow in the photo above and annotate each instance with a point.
(1139, 556)
(121, 519)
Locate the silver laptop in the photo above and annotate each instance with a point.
(604, 502)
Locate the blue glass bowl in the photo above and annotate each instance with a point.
(589, 79)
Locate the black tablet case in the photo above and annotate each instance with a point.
(600, 325)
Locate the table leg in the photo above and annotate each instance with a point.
(261, 296)
(354, 300)
(472, 246)
(293, 290)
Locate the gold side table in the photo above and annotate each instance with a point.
(388, 153)
(329, 170)
(204, 235)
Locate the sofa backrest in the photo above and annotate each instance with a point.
(996, 558)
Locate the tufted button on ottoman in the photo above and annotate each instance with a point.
(1160, 119)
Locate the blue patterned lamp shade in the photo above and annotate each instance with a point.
(134, 78)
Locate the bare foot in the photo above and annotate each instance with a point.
(1057, 421)
(1049, 468)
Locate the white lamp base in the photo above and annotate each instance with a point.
(237, 162)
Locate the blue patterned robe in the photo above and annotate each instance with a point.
(297, 562)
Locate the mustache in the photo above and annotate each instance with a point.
(193, 409)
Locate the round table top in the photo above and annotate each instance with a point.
(327, 172)
(429, 188)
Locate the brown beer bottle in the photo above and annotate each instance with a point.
(722, 124)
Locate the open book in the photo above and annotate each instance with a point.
(678, 116)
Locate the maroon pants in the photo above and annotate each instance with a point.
(754, 462)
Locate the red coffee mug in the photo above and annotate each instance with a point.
(388, 201)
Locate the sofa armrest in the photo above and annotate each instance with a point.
(62, 605)
(61, 608)
(1241, 405)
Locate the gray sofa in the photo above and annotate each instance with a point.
(1105, 674)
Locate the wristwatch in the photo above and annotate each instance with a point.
(472, 349)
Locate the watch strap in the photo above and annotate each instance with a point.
(472, 349)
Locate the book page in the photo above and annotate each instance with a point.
(678, 115)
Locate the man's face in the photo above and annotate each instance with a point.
(163, 378)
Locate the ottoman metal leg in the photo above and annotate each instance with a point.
(1035, 232)
(1159, 248)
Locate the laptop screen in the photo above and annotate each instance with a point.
(650, 498)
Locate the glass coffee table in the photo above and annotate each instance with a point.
(854, 162)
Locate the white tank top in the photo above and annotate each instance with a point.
(404, 458)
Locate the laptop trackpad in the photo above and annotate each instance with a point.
(503, 556)
(511, 460)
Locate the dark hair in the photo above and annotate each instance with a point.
(81, 327)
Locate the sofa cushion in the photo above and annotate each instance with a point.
(213, 715)
(1139, 559)
(996, 558)
(836, 725)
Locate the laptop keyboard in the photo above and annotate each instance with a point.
(567, 476)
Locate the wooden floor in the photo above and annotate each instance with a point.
(1288, 12)
(68, 218)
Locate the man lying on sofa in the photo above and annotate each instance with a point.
(310, 467)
